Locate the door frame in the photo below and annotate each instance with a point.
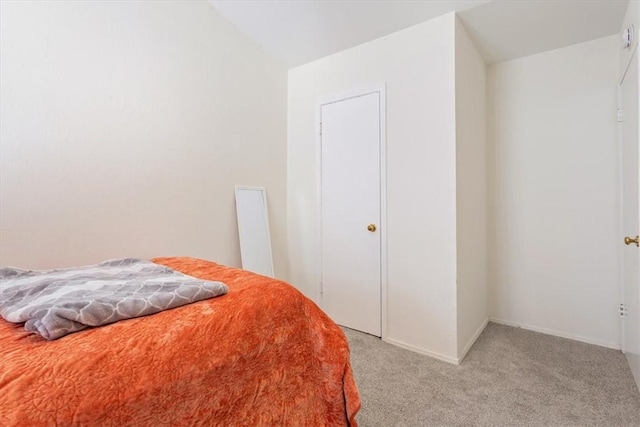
(622, 285)
(621, 263)
(331, 99)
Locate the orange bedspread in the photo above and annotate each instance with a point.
(262, 355)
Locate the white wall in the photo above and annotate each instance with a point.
(417, 66)
(555, 218)
(471, 191)
(125, 126)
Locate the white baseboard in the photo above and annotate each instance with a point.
(588, 340)
(472, 341)
(438, 356)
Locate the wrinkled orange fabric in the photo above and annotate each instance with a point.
(262, 355)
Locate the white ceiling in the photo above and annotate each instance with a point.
(300, 31)
(509, 29)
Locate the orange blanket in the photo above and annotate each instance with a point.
(262, 355)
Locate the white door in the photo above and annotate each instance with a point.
(631, 298)
(350, 211)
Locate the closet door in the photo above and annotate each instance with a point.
(629, 132)
(350, 211)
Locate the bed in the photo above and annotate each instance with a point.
(262, 355)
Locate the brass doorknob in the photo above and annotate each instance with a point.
(371, 227)
(628, 240)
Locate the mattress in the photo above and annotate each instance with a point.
(261, 355)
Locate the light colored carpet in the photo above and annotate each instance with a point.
(511, 377)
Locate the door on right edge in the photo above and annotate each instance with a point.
(629, 137)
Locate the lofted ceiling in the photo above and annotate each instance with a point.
(300, 31)
(509, 29)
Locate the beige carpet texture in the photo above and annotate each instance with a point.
(511, 377)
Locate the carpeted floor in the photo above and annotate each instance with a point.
(511, 377)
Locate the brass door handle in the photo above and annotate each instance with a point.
(628, 240)
(371, 227)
